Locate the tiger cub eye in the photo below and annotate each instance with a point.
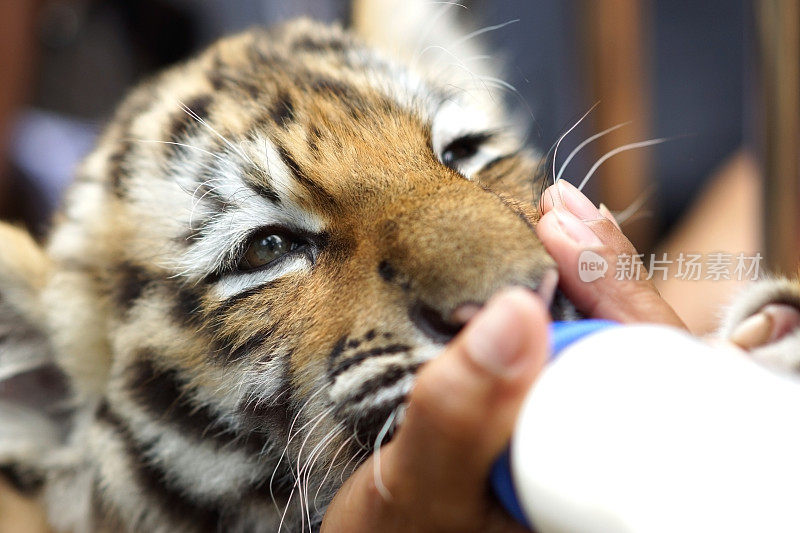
(263, 250)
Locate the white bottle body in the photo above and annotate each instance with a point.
(646, 429)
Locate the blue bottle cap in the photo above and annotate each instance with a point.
(562, 334)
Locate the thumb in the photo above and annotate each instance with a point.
(466, 401)
(459, 418)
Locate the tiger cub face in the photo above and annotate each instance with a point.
(268, 242)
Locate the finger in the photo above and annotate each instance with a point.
(590, 249)
(460, 417)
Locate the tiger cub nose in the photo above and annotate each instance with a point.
(442, 327)
(434, 324)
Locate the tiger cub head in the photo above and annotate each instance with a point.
(268, 242)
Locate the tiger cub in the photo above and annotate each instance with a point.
(268, 241)
(266, 244)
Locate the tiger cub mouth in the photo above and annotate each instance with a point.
(374, 425)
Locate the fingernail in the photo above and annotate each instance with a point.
(607, 213)
(549, 199)
(547, 286)
(753, 332)
(575, 229)
(576, 202)
(494, 339)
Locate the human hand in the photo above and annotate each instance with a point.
(572, 224)
(460, 415)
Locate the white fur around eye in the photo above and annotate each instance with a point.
(453, 120)
(232, 284)
(246, 211)
(473, 164)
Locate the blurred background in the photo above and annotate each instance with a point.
(718, 78)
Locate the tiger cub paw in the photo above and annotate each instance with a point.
(765, 321)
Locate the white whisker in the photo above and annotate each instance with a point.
(584, 143)
(297, 483)
(199, 119)
(313, 457)
(452, 4)
(500, 83)
(382, 490)
(299, 473)
(558, 142)
(288, 442)
(330, 467)
(429, 26)
(625, 215)
(614, 152)
(154, 141)
(481, 31)
(497, 83)
(458, 63)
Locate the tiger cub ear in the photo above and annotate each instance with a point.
(434, 37)
(765, 320)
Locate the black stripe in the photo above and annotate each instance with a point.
(282, 110)
(291, 162)
(183, 122)
(218, 206)
(259, 182)
(354, 101)
(328, 86)
(256, 341)
(230, 350)
(386, 270)
(308, 43)
(152, 481)
(118, 171)
(262, 189)
(188, 304)
(366, 354)
(104, 516)
(206, 190)
(337, 350)
(313, 138)
(319, 193)
(131, 281)
(231, 301)
(272, 416)
(388, 377)
(217, 78)
(225, 77)
(165, 396)
(199, 107)
(367, 425)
